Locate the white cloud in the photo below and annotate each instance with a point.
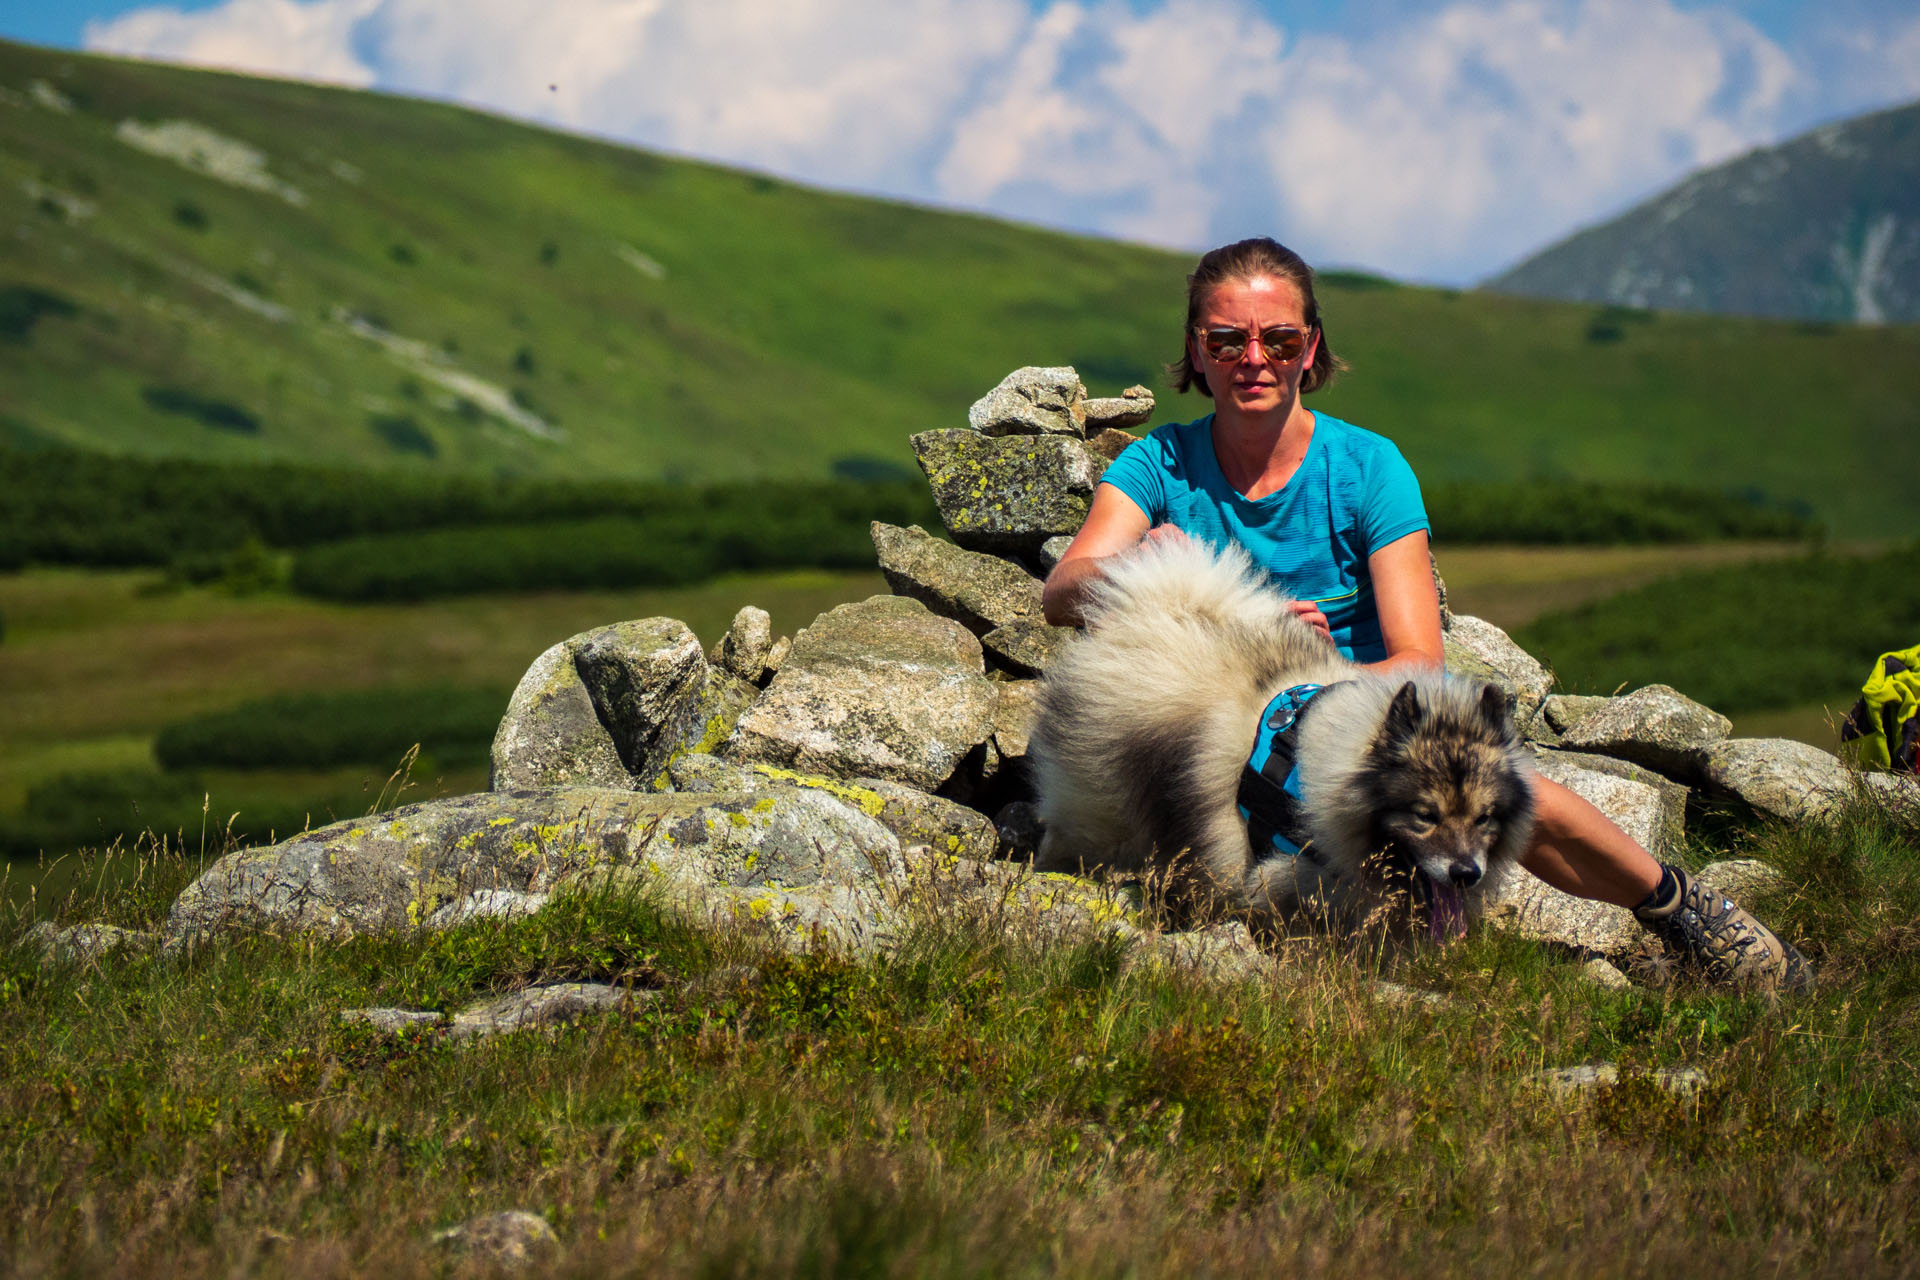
(1443, 146)
(272, 37)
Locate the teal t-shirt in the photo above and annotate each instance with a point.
(1352, 495)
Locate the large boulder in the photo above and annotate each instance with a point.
(882, 688)
(980, 592)
(1009, 494)
(914, 817)
(551, 735)
(1776, 777)
(1530, 907)
(609, 707)
(1033, 401)
(1656, 726)
(395, 871)
(1482, 651)
(1648, 807)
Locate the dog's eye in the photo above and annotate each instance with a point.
(1424, 814)
(1486, 820)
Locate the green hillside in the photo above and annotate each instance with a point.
(233, 268)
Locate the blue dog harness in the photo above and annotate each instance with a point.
(1269, 797)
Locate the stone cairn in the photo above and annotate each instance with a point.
(827, 786)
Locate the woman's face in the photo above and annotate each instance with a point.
(1258, 381)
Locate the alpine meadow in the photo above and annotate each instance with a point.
(327, 414)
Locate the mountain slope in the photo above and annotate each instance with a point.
(1824, 227)
(229, 267)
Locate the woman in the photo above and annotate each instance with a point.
(1334, 514)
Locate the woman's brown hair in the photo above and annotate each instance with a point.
(1243, 260)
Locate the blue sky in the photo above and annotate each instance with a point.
(1440, 140)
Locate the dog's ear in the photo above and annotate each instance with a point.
(1403, 717)
(1496, 708)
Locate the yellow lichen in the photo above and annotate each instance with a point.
(868, 802)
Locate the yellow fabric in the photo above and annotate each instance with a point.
(1898, 693)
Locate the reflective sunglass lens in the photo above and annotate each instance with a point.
(1224, 344)
(1281, 343)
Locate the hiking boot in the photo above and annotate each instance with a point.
(1709, 933)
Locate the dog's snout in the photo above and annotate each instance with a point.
(1464, 872)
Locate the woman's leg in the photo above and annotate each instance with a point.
(1578, 850)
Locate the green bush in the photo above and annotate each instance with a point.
(66, 507)
(1567, 512)
(218, 414)
(1779, 634)
(96, 809)
(607, 552)
(402, 434)
(452, 724)
(21, 307)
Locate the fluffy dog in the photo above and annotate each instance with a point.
(1410, 789)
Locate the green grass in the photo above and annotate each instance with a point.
(977, 1105)
(1766, 636)
(790, 330)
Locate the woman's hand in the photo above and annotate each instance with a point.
(1309, 612)
(1164, 533)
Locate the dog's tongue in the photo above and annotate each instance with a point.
(1446, 911)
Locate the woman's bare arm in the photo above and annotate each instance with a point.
(1114, 523)
(1408, 604)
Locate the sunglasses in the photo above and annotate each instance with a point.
(1282, 343)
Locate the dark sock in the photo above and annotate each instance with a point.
(1662, 892)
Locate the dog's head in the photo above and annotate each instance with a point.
(1451, 793)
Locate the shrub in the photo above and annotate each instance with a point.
(97, 809)
(63, 506)
(219, 414)
(739, 529)
(1779, 634)
(1583, 512)
(452, 724)
(247, 569)
(21, 307)
(190, 215)
(402, 434)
